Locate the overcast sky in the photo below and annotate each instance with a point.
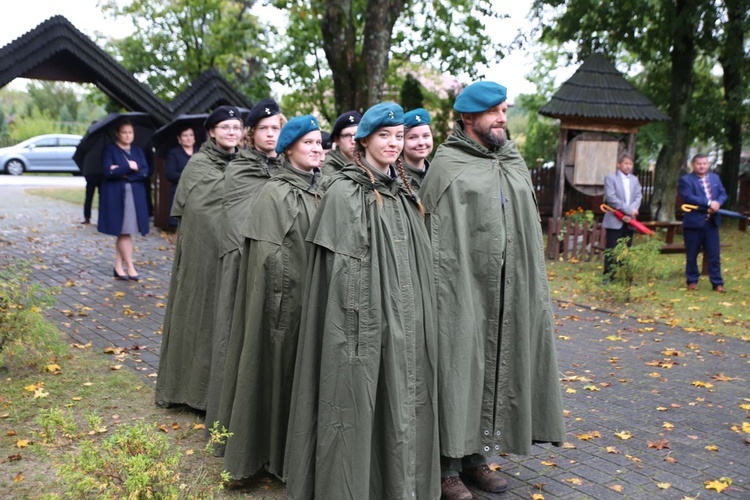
(86, 16)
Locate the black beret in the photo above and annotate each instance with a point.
(220, 114)
(326, 141)
(263, 109)
(348, 119)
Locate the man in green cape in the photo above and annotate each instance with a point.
(185, 359)
(246, 174)
(262, 345)
(499, 390)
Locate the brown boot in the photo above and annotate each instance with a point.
(486, 478)
(454, 489)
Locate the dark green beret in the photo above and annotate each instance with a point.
(294, 129)
(221, 114)
(416, 117)
(384, 114)
(479, 97)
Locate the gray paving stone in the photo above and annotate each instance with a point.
(79, 260)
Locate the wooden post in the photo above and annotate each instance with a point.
(557, 204)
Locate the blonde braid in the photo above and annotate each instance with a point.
(358, 161)
(405, 180)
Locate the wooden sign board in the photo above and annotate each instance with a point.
(594, 161)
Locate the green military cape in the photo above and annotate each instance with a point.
(334, 162)
(262, 346)
(415, 175)
(246, 174)
(363, 416)
(499, 389)
(185, 359)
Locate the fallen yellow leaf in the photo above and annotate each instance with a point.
(115, 367)
(664, 486)
(22, 443)
(617, 487)
(199, 426)
(574, 480)
(189, 452)
(612, 449)
(698, 383)
(716, 485)
(18, 478)
(53, 368)
(624, 435)
(712, 447)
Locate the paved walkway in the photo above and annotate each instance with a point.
(672, 394)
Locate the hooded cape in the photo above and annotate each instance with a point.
(185, 360)
(363, 414)
(335, 161)
(245, 176)
(415, 175)
(262, 346)
(499, 389)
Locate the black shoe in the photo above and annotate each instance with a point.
(87, 221)
(121, 277)
(134, 277)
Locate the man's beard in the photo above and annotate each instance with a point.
(494, 142)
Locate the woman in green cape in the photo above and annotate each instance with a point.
(262, 345)
(185, 359)
(363, 420)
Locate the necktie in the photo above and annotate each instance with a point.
(707, 188)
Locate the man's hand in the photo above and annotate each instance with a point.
(133, 165)
(713, 206)
(634, 214)
(627, 219)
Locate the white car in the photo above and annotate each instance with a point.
(43, 153)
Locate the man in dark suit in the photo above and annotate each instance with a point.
(622, 191)
(701, 228)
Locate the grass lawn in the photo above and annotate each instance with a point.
(70, 195)
(663, 296)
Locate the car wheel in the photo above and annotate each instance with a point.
(14, 167)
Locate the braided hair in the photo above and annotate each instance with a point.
(358, 161)
(405, 180)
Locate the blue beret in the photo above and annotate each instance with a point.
(385, 114)
(294, 129)
(479, 97)
(221, 114)
(262, 109)
(348, 119)
(326, 141)
(416, 117)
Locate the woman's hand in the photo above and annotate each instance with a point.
(133, 165)
(112, 167)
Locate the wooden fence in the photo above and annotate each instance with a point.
(581, 241)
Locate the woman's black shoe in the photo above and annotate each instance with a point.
(122, 277)
(134, 277)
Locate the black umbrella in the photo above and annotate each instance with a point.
(88, 155)
(165, 138)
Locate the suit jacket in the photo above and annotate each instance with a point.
(692, 192)
(614, 195)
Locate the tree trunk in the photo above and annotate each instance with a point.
(358, 79)
(733, 61)
(672, 158)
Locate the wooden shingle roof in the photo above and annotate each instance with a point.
(599, 92)
(55, 50)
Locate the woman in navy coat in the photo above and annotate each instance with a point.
(176, 160)
(123, 209)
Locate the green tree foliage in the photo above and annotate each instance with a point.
(353, 42)
(59, 99)
(411, 93)
(175, 41)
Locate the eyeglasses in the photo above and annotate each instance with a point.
(347, 137)
(229, 128)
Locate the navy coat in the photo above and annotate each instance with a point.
(176, 161)
(112, 190)
(692, 193)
